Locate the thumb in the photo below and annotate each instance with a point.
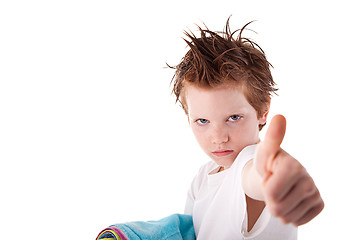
(269, 148)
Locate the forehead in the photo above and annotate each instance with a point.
(223, 100)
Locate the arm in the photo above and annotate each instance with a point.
(252, 181)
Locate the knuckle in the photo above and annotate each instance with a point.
(308, 187)
(299, 170)
(322, 205)
(293, 167)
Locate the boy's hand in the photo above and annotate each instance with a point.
(289, 191)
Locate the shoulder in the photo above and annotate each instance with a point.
(247, 154)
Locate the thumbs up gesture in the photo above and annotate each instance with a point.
(288, 190)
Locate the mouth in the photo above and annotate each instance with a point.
(222, 153)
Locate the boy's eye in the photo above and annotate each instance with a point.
(202, 121)
(234, 118)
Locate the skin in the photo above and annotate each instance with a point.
(224, 123)
(288, 189)
(222, 120)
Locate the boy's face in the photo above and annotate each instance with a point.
(222, 121)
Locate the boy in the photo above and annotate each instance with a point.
(250, 189)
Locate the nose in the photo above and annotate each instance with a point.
(219, 135)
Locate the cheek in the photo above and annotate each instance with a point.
(200, 135)
(245, 133)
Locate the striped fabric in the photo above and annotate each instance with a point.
(111, 233)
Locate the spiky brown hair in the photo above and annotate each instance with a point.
(219, 58)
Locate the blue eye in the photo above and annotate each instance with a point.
(202, 121)
(234, 118)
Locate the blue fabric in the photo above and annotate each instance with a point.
(173, 227)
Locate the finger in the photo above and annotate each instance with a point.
(275, 135)
(269, 148)
(302, 190)
(313, 212)
(287, 173)
(305, 211)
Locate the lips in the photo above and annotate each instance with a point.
(222, 153)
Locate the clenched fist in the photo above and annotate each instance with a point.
(287, 189)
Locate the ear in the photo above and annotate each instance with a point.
(263, 118)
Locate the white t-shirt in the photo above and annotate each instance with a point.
(217, 203)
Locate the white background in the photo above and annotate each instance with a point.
(89, 132)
